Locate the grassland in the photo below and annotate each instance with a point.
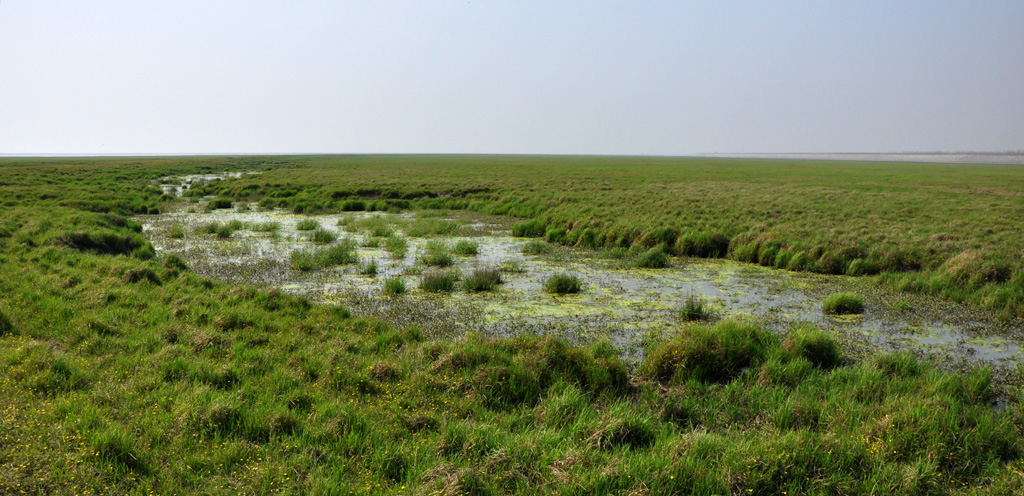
(124, 372)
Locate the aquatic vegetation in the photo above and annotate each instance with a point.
(267, 227)
(435, 254)
(224, 232)
(397, 246)
(323, 236)
(536, 248)
(177, 231)
(208, 228)
(330, 256)
(394, 286)
(482, 279)
(442, 281)
(465, 247)
(563, 284)
(307, 225)
(843, 304)
(369, 268)
(695, 308)
(236, 225)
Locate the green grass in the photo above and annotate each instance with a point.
(466, 248)
(323, 236)
(394, 286)
(536, 248)
(655, 258)
(397, 246)
(270, 227)
(307, 225)
(125, 373)
(436, 254)
(695, 308)
(440, 281)
(176, 231)
(843, 304)
(330, 256)
(563, 284)
(482, 279)
(369, 268)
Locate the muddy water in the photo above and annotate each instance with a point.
(626, 305)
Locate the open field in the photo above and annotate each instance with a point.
(126, 371)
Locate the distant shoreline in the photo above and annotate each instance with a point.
(942, 158)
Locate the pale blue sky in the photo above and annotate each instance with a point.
(628, 77)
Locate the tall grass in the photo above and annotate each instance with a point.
(843, 303)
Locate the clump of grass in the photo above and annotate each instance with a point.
(482, 279)
(224, 232)
(536, 248)
(397, 246)
(815, 345)
(370, 242)
(695, 308)
(708, 354)
(465, 247)
(394, 286)
(177, 231)
(843, 304)
(267, 227)
(236, 225)
(208, 228)
(436, 255)
(369, 268)
(563, 284)
(307, 225)
(339, 254)
(440, 281)
(655, 258)
(219, 203)
(323, 236)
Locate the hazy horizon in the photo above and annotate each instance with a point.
(113, 77)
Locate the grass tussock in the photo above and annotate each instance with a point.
(307, 225)
(394, 286)
(536, 248)
(843, 304)
(563, 284)
(436, 254)
(466, 248)
(330, 256)
(482, 279)
(695, 308)
(441, 281)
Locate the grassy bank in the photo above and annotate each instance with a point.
(124, 372)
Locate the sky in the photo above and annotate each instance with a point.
(545, 77)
